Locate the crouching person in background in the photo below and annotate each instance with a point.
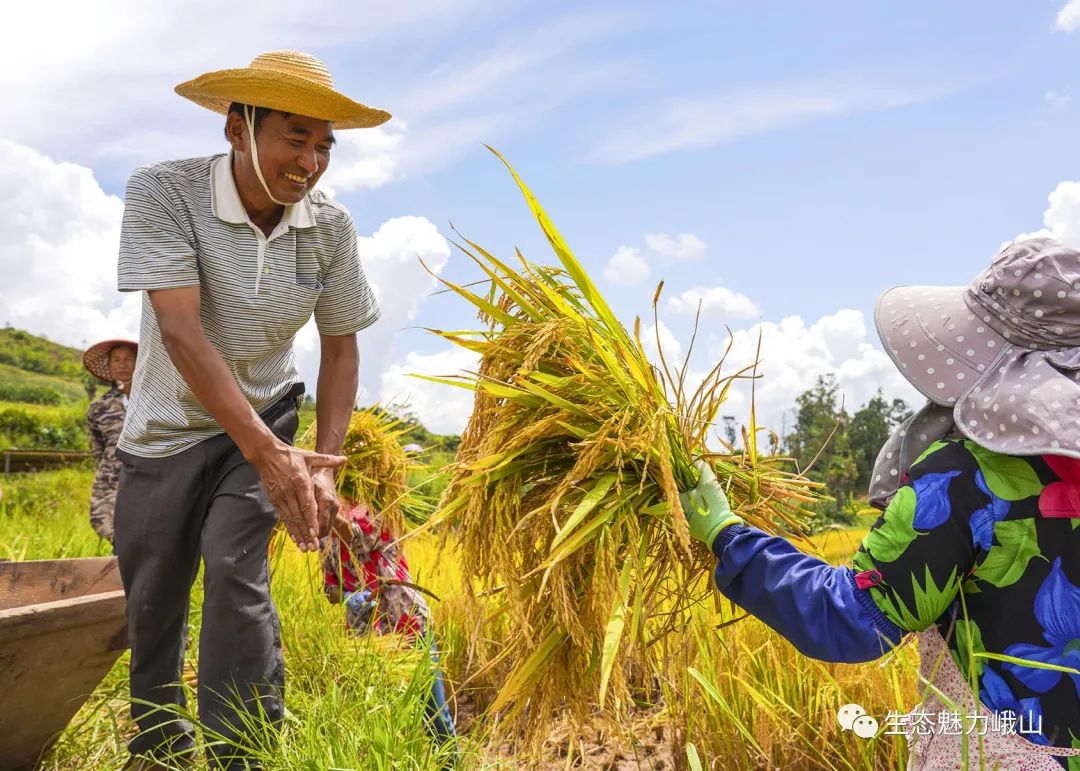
(365, 569)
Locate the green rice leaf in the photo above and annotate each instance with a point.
(1026, 662)
(692, 758)
(588, 503)
(528, 670)
(614, 631)
(566, 257)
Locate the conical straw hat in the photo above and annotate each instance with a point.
(290, 81)
(96, 358)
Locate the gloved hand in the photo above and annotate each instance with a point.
(359, 609)
(706, 507)
(357, 601)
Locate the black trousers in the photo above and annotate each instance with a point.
(206, 502)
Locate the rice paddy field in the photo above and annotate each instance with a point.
(745, 700)
(575, 617)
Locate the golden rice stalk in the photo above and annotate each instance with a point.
(564, 492)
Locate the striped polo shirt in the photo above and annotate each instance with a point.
(184, 225)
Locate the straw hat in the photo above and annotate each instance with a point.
(96, 358)
(290, 81)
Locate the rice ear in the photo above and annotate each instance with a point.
(564, 496)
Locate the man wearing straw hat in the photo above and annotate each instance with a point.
(234, 253)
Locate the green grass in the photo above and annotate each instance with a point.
(47, 427)
(47, 516)
(352, 702)
(432, 479)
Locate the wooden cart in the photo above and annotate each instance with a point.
(61, 630)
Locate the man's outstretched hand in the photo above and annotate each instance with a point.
(326, 499)
(289, 478)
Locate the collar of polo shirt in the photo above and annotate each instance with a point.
(226, 205)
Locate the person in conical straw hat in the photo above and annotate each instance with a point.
(112, 362)
(234, 253)
(977, 551)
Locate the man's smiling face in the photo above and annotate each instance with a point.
(294, 151)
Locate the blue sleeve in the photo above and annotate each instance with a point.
(817, 607)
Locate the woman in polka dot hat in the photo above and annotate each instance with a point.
(978, 547)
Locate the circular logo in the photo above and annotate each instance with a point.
(847, 715)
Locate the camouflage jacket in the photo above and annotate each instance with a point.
(104, 420)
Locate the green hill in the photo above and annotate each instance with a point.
(18, 385)
(43, 393)
(35, 370)
(37, 354)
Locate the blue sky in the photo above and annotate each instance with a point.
(810, 154)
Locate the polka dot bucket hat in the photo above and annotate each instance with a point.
(999, 360)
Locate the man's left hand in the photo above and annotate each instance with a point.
(326, 498)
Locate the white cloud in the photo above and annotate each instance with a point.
(627, 267)
(441, 408)
(59, 234)
(1061, 220)
(81, 91)
(84, 102)
(694, 123)
(523, 62)
(685, 246)
(794, 354)
(668, 342)
(1068, 18)
(467, 101)
(714, 300)
(364, 159)
(390, 258)
(843, 334)
(438, 144)
(58, 247)
(1062, 217)
(1057, 100)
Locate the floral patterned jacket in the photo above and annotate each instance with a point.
(983, 545)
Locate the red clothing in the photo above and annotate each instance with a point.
(371, 561)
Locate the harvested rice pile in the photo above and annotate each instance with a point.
(564, 493)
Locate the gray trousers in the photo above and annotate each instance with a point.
(206, 502)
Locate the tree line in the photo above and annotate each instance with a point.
(838, 448)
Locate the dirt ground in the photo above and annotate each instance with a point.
(648, 748)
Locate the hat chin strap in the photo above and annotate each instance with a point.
(249, 119)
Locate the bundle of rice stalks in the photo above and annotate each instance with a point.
(377, 468)
(565, 490)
